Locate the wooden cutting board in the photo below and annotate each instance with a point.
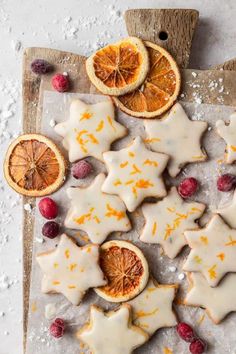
(154, 25)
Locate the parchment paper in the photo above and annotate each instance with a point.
(221, 338)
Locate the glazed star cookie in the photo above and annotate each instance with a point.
(112, 332)
(167, 220)
(90, 129)
(213, 250)
(134, 173)
(152, 309)
(228, 133)
(178, 137)
(218, 301)
(228, 212)
(70, 270)
(95, 212)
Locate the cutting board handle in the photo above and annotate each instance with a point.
(172, 29)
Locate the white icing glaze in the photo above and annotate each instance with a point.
(213, 250)
(70, 270)
(90, 129)
(152, 309)
(176, 136)
(95, 212)
(218, 301)
(112, 333)
(50, 311)
(228, 212)
(135, 173)
(228, 133)
(167, 220)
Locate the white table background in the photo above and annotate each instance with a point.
(79, 26)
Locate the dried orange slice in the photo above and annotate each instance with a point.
(126, 270)
(119, 68)
(160, 89)
(34, 166)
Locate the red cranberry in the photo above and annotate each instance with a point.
(188, 187)
(81, 169)
(197, 346)
(60, 82)
(41, 66)
(48, 208)
(57, 328)
(226, 183)
(50, 229)
(185, 332)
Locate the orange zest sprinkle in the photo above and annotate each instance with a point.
(124, 164)
(199, 157)
(231, 243)
(113, 212)
(111, 123)
(151, 140)
(131, 154)
(81, 141)
(142, 183)
(72, 266)
(86, 115)
(82, 219)
(71, 286)
(34, 306)
(89, 249)
(233, 148)
(167, 350)
(171, 210)
(176, 223)
(135, 170)
(221, 256)
(67, 253)
(141, 313)
(150, 163)
(204, 240)
(154, 228)
(212, 272)
(92, 138)
(129, 182)
(117, 182)
(55, 265)
(100, 126)
(201, 319)
(55, 282)
(198, 259)
(134, 190)
(97, 219)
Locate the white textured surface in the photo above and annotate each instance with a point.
(78, 26)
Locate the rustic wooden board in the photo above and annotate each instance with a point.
(33, 87)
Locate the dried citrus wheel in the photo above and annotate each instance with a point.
(160, 89)
(126, 270)
(119, 68)
(34, 166)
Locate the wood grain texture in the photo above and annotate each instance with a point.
(31, 84)
(179, 25)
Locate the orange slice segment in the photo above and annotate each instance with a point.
(126, 270)
(34, 166)
(160, 89)
(119, 68)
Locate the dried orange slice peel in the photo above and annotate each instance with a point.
(34, 166)
(119, 68)
(126, 270)
(160, 89)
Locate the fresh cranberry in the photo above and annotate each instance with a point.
(48, 208)
(41, 66)
(60, 82)
(81, 169)
(226, 183)
(185, 332)
(188, 187)
(50, 229)
(197, 346)
(57, 328)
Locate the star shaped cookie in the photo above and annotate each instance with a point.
(228, 212)
(95, 212)
(218, 301)
(176, 136)
(167, 220)
(152, 309)
(112, 332)
(213, 250)
(134, 173)
(90, 129)
(70, 270)
(228, 133)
